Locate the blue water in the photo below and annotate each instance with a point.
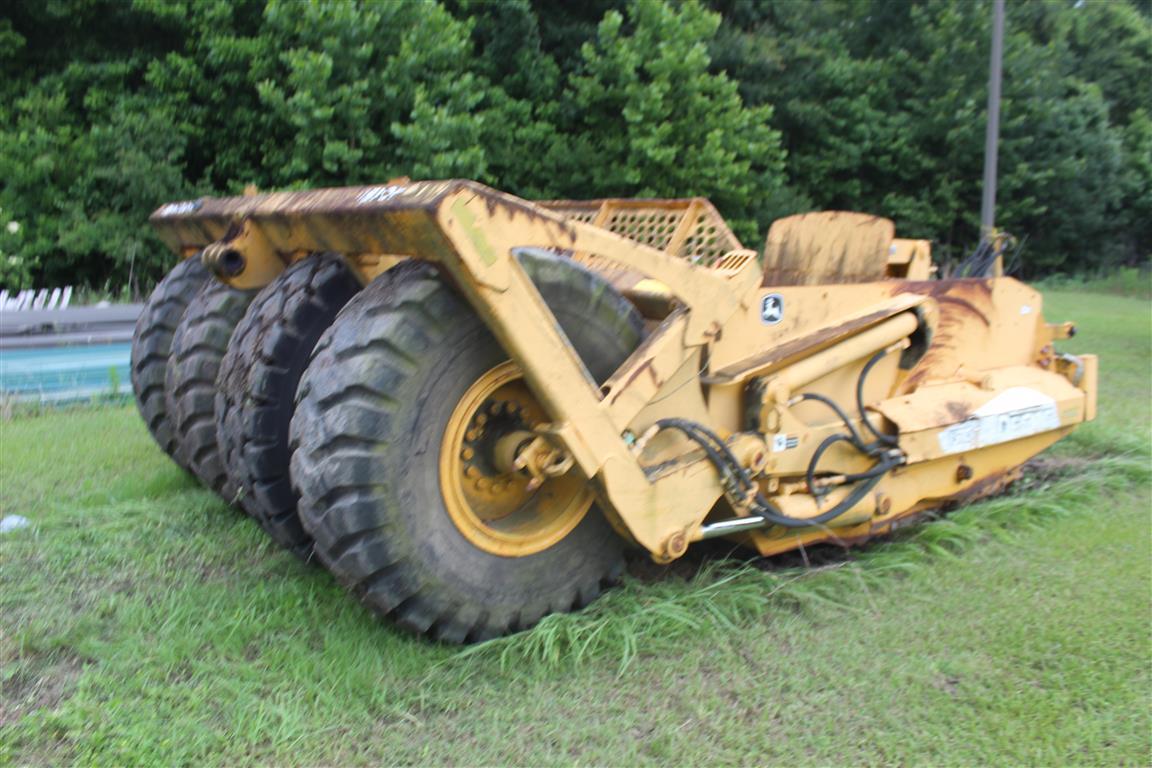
(61, 373)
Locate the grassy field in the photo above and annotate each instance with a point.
(145, 623)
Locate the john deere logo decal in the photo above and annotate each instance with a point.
(772, 309)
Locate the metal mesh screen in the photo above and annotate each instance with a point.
(691, 229)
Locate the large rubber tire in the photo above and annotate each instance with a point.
(258, 377)
(152, 346)
(371, 412)
(198, 346)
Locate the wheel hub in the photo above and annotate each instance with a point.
(496, 507)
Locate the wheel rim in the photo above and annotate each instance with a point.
(494, 510)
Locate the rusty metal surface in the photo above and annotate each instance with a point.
(690, 228)
(827, 248)
(984, 324)
(804, 345)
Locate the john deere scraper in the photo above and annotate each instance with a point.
(468, 406)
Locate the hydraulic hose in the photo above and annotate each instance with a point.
(852, 499)
(730, 469)
(718, 452)
(737, 481)
(857, 439)
(881, 436)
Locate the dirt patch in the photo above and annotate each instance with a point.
(1045, 468)
(41, 681)
(948, 684)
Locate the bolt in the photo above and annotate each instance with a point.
(467, 454)
(471, 472)
(480, 420)
(676, 545)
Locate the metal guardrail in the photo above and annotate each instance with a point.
(57, 298)
(54, 355)
(66, 327)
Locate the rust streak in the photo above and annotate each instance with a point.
(958, 411)
(623, 387)
(960, 293)
(812, 342)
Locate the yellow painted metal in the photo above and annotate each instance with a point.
(730, 347)
(910, 260)
(827, 247)
(862, 344)
(691, 229)
(246, 257)
(494, 506)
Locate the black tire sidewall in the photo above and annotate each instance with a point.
(372, 411)
(198, 348)
(256, 418)
(590, 550)
(152, 347)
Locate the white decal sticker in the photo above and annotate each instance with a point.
(1014, 413)
(784, 442)
(772, 309)
(379, 194)
(1025, 310)
(179, 209)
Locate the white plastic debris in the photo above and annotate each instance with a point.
(13, 523)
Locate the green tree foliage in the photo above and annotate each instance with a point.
(643, 115)
(882, 108)
(109, 108)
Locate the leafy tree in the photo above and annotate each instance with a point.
(882, 108)
(644, 116)
(1111, 46)
(110, 107)
(369, 92)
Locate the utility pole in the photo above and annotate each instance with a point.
(992, 136)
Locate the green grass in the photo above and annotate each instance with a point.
(1133, 282)
(145, 623)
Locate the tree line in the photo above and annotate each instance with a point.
(109, 108)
